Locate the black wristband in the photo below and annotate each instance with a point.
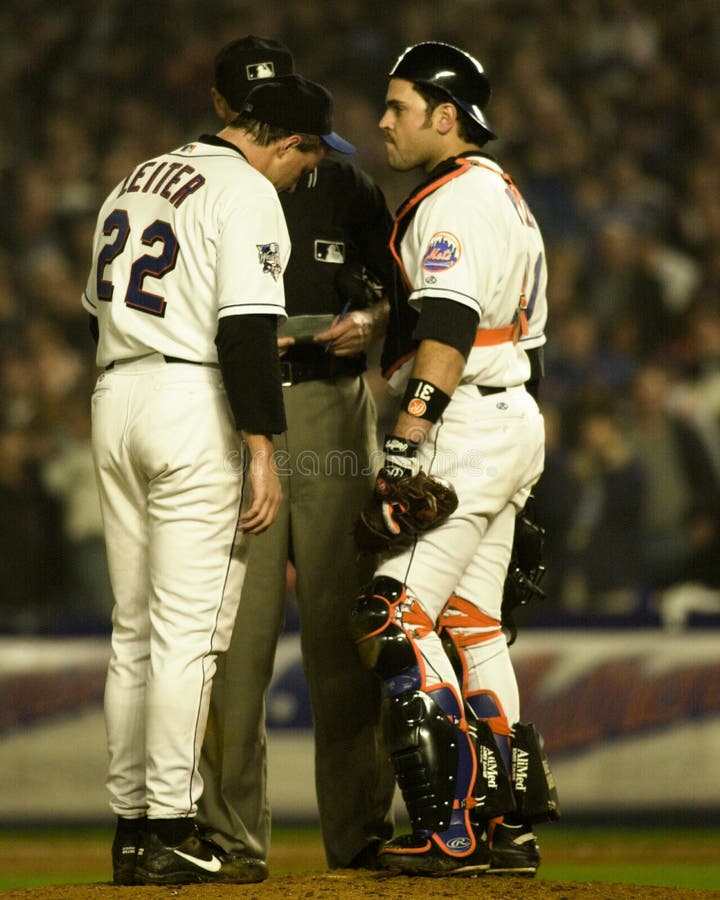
(424, 400)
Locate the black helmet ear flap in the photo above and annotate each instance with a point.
(452, 70)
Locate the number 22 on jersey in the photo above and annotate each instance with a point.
(117, 226)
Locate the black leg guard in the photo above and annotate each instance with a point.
(514, 848)
(423, 745)
(493, 791)
(434, 759)
(421, 735)
(428, 738)
(383, 646)
(493, 795)
(533, 783)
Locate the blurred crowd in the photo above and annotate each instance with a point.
(609, 120)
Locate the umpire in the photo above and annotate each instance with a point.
(341, 268)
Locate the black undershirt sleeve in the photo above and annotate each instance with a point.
(94, 327)
(250, 366)
(448, 322)
(536, 355)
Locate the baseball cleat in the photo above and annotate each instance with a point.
(194, 861)
(237, 869)
(414, 854)
(514, 851)
(124, 851)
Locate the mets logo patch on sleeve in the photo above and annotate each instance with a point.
(269, 258)
(442, 252)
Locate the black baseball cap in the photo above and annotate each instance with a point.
(297, 105)
(242, 63)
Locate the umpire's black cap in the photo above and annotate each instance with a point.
(242, 63)
(297, 105)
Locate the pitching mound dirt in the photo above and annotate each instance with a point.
(366, 886)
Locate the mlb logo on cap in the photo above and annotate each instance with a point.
(247, 61)
(256, 71)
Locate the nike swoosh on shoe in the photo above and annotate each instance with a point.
(210, 865)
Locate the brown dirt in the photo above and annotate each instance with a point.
(315, 883)
(323, 885)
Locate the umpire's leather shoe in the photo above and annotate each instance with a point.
(367, 858)
(514, 851)
(417, 855)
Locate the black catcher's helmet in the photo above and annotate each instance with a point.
(452, 70)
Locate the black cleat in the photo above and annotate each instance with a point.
(193, 861)
(124, 851)
(367, 858)
(514, 851)
(238, 869)
(416, 855)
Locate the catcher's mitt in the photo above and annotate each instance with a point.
(403, 508)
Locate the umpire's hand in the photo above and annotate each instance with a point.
(351, 334)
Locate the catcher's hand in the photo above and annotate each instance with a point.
(401, 509)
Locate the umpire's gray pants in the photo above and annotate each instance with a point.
(354, 778)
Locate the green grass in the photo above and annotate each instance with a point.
(681, 875)
(685, 858)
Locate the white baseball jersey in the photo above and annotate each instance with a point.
(187, 238)
(474, 241)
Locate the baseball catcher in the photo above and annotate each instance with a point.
(471, 255)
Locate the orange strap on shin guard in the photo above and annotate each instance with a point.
(415, 619)
(468, 624)
(488, 707)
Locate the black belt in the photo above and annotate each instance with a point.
(486, 391)
(168, 359)
(323, 369)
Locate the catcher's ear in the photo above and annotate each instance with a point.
(445, 117)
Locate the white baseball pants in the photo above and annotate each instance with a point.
(169, 471)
